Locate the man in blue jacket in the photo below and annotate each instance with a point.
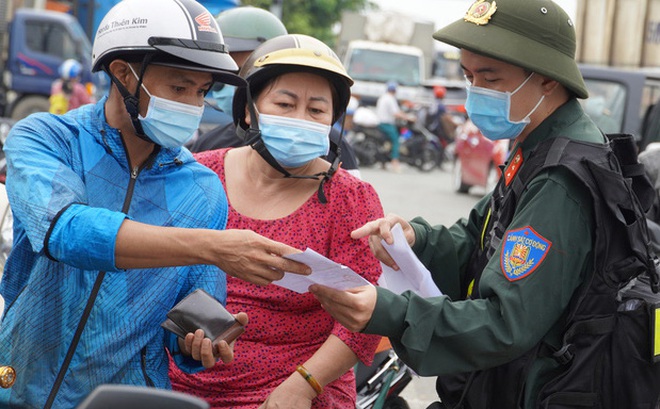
(114, 222)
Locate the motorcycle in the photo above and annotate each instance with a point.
(368, 143)
(418, 147)
(379, 386)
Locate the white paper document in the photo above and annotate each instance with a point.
(324, 271)
(412, 275)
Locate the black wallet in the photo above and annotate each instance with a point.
(199, 310)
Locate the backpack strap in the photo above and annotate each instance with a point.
(625, 150)
(596, 326)
(549, 156)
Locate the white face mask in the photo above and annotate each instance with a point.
(168, 123)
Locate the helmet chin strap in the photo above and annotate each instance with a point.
(253, 137)
(131, 102)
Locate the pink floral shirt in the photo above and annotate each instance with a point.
(285, 327)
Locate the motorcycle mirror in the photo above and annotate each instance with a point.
(138, 397)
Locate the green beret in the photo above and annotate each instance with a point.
(536, 35)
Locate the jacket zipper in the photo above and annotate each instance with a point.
(129, 190)
(143, 364)
(127, 204)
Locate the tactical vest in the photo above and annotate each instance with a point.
(609, 354)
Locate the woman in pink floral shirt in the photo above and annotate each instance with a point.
(282, 189)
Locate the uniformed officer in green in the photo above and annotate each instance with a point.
(506, 292)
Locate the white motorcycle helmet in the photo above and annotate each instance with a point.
(176, 33)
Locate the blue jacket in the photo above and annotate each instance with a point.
(68, 181)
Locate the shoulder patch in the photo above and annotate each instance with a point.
(523, 250)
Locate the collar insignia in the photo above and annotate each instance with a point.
(523, 250)
(512, 168)
(480, 12)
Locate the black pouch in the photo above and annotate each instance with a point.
(199, 310)
(612, 367)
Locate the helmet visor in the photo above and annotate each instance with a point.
(236, 44)
(204, 56)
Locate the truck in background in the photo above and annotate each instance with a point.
(36, 36)
(446, 68)
(379, 47)
(33, 43)
(89, 13)
(618, 33)
(624, 35)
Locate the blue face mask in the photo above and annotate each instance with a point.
(224, 98)
(294, 142)
(169, 124)
(490, 111)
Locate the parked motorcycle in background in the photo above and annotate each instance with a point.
(477, 159)
(379, 386)
(418, 147)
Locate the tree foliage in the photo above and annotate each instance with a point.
(313, 17)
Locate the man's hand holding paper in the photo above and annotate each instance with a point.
(324, 272)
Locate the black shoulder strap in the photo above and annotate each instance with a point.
(553, 152)
(549, 153)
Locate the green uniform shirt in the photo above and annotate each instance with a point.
(444, 335)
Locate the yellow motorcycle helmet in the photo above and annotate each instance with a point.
(286, 54)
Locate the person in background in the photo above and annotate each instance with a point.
(66, 92)
(510, 270)
(114, 223)
(353, 105)
(440, 121)
(244, 29)
(293, 354)
(388, 111)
